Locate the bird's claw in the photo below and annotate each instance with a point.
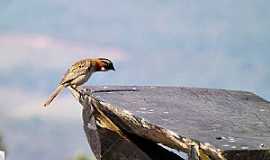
(84, 93)
(87, 91)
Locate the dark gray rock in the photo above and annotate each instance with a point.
(220, 124)
(229, 120)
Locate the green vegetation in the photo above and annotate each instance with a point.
(2, 146)
(83, 157)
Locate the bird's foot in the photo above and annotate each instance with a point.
(84, 93)
(87, 91)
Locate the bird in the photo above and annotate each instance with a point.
(79, 73)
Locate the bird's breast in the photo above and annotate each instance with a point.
(81, 79)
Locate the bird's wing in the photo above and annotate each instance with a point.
(75, 71)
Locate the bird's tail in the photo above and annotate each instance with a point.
(53, 95)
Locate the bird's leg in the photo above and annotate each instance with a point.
(80, 91)
(75, 88)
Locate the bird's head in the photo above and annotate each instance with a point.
(104, 64)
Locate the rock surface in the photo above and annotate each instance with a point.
(235, 122)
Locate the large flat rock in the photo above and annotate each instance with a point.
(229, 120)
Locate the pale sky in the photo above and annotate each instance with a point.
(209, 44)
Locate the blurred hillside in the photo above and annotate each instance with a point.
(34, 138)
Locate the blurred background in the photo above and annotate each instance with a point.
(213, 44)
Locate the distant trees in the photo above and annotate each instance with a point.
(83, 157)
(2, 146)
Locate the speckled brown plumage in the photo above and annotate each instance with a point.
(79, 73)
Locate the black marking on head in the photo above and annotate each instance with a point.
(104, 60)
(107, 64)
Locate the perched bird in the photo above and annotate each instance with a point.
(79, 73)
